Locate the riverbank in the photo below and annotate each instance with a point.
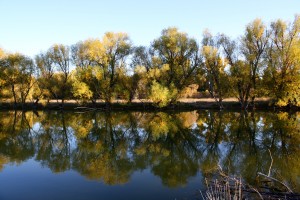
(182, 104)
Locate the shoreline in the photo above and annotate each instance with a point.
(185, 104)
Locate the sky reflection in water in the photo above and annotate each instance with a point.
(141, 155)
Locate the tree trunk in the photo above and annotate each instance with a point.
(62, 103)
(107, 105)
(221, 103)
(14, 95)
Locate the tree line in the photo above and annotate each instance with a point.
(263, 62)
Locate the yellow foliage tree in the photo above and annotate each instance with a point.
(282, 76)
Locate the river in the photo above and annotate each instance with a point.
(142, 155)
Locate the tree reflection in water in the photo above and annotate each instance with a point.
(175, 146)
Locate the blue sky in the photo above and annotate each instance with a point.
(31, 26)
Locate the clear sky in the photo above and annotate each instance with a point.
(30, 26)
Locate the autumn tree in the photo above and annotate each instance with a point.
(246, 61)
(87, 76)
(239, 70)
(174, 60)
(104, 62)
(214, 67)
(2, 53)
(282, 75)
(253, 45)
(54, 71)
(80, 53)
(45, 76)
(141, 63)
(2, 80)
(142, 56)
(117, 47)
(16, 143)
(18, 71)
(60, 56)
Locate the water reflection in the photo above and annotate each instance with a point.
(175, 146)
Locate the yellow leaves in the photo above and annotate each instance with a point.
(209, 52)
(121, 71)
(281, 103)
(59, 54)
(158, 73)
(103, 51)
(279, 26)
(213, 61)
(140, 69)
(96, 51)
(140, 151)
(171, 61)
(282, 75)
(165, 68)
(188, 119)
(3, 160)
(170, 40)
(189, 91)
(159, 128)
(81, 90)
(155, 148)
(255, 29)
(105, 64)
(116, 43)
(98, 73)
(154, 73)
(200, 122)
(17, 70)
(82, 132)
(2, 53)
(159, 94)
(282, 115)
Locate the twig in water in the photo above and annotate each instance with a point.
(269, 174)
(274, 179)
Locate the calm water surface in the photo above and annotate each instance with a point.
(141, 155)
